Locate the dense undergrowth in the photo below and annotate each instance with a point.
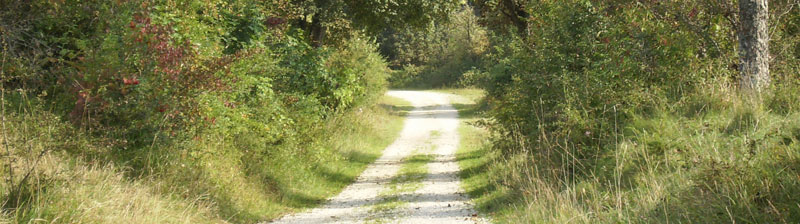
(205, 111)
(728, 164)
(443, 54)
(75, 176)
(180, 111)
(629, 112)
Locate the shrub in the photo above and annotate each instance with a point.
(220, 94)
(615, 112)
(439, 55)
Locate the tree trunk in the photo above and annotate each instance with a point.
(517, 15)
(753, 45)
(317, 31)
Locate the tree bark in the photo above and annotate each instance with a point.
(754, 45)
(518, 16)
(317, 31)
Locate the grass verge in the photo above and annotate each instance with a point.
(408, 179)
(209, 180)
(736, 163)
(475, 155)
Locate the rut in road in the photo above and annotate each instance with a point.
(383, 194)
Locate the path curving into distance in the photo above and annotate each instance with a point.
(414, 181)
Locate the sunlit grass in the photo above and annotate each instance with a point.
(475, 156)
(211, 182)
(729, 164)
(407, 180)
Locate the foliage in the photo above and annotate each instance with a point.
(199, 105)
(351, 74)
(609, 110)
(504, 16)
(437, 56)
(331, 21)
(618, 111)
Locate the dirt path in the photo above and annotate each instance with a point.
(416, 179)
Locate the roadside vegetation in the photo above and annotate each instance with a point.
(437, 55)
(407, 180)
(632, 112)
(184, 111)
(193, 111)
(69, 186)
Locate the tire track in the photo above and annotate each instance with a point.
(433, 125)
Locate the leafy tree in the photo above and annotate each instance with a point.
(438, 55)
(330, 21)
(501, 15)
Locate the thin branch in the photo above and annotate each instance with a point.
(698, 31)
(778, 18)
(31, 169)
(3, 102)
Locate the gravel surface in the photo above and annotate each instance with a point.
(432, 127)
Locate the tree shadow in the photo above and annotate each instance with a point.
(300, 200)
(475, 166)
(397, 110)
(734, 194)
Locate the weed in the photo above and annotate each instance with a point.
(407, 180)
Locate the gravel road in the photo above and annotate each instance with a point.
(430, 129)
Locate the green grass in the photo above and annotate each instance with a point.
(63, 186)
(475, 155)
(408, 179)
(464, 95)
(411, 174)
(208, 181)
(468, 101)
(734, 163)
(396, 106)
(414, 168)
